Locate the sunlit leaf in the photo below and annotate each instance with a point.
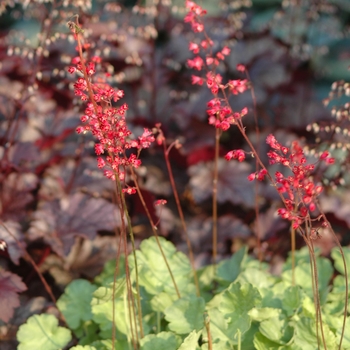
(42, 332)
(185, 315)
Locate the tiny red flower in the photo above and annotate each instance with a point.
(252, 177)
(129, 190)
(160, 202)
(196, 63)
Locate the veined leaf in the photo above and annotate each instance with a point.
(186, 315)
(75, 302)
(42, 332)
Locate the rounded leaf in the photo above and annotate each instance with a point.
(42, 332)
(75, 302)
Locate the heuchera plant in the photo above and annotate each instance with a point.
(297, 191)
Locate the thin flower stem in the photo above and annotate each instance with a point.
(293, 243)
(316, 289)
(345, 275)
(132, 239)
(131, 302)
(35, 266)
(154, 230)
(215, 196)
(181, 215)
(207, 327)
(293, 254)
(256, 185)
(116, 271)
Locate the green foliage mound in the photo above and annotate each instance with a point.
(242, 306)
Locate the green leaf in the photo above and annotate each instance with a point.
(303, 276)
(103, 315)
(305, 334)
(107, 345)
(338, 261)
(256, 277)
(191, 341)
(102, 309)
(263, 343)
(75, 302)
(105, 293)
(292, 299)
(162, 301)
(186, 315)
(161, 341)
(301, 256)
(87, 333)
(264, 313)
(336, 298)
(277, 330)
(42, 332)
(236, 301)
(239, 299)
(85, 347)
(218, 345)
(206, 279)
(153, 272)
(228, 270)
(248, 337)
(336, 322)
(107, 275)
(219, 328)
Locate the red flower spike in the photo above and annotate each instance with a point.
(108, 124)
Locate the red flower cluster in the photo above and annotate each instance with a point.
(299, 190)
(238, 154)
(195, 11)
(220, 113)
(108, 125)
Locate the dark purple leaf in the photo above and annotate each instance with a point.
(233, 185)
(58, 222)
(10, 286)
(14, 251)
